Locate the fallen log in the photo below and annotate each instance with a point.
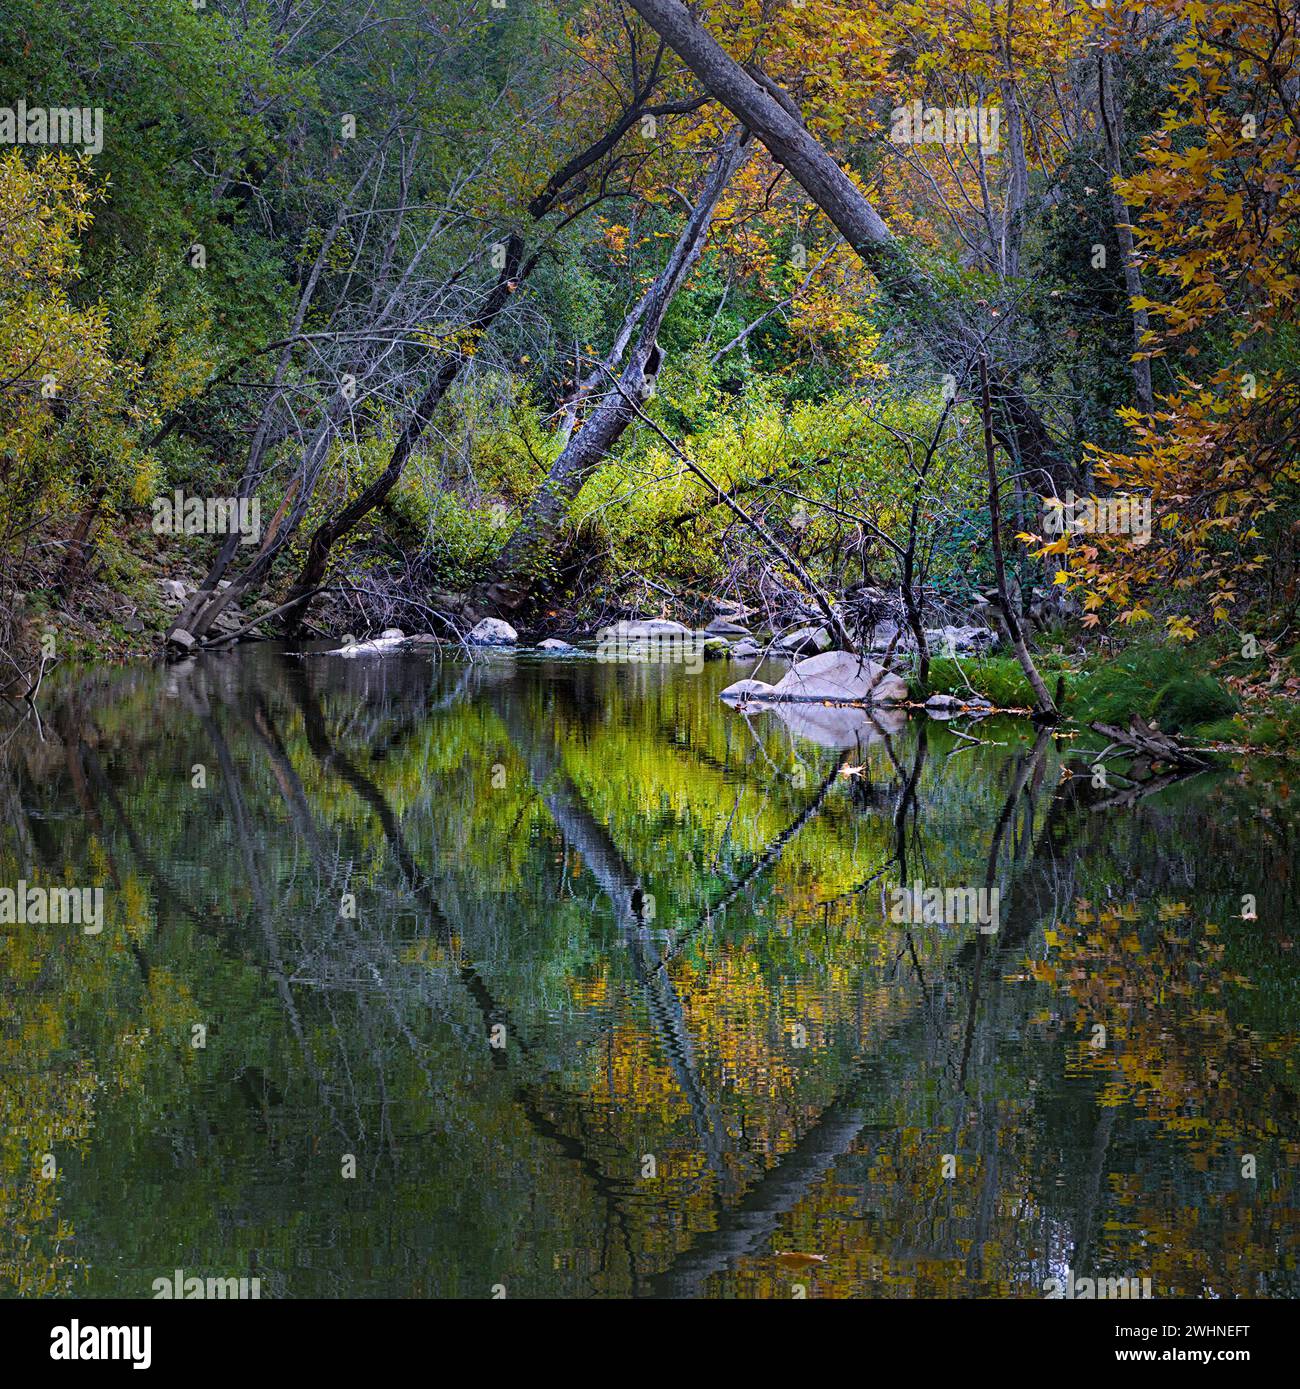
(1147, 740)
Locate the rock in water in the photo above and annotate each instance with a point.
(381, 645)
(493, 632)
(643, 630)
(555, 644)
(721, 627)
(744, 690)
(842, 676)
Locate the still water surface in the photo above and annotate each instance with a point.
(427, 979)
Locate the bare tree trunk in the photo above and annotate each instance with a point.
(914, 622)
(1046, 707)
(1110, 103)
(80, 547)
(330, 532)
(763, 108)
(1013, 225)
(536, 538)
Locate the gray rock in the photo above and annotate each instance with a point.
(381, 645)
(842, 676)
(422, 639)
(745, 690)
(555, 644)
(807, 641)
(887, 634)
(186, 641)
(943, 701)
(392, 634)
(493, 632)
(961, 641)
(642, 629)
(746, 651)
(721, 627)
(174, 589)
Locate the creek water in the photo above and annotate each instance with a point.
(530, 978)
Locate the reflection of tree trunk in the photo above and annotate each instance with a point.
(490, 1009)
(1018, 917)
(231, 788)
(11, 806)
(907, 801)
(142, 856)
(622, 887)
(1092, 1190)
(764, 861)
(743, 1229)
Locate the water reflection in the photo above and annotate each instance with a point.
(422, 978)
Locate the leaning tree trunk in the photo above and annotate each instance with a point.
(523, 563)
(763, 108)
(1046, 707)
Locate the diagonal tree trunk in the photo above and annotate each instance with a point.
(767, 111)
(529, 550)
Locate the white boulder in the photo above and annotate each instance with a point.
(841, 676)
(492, 632)
(745, 690)
(644, 629)
(381, 645)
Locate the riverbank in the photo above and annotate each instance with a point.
(1210, 692)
